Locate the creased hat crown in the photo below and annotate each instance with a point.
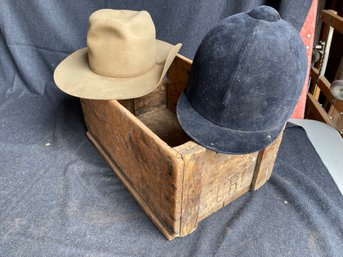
(121, 43)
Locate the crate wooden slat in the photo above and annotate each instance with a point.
(177, 182)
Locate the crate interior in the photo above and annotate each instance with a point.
(157, 112)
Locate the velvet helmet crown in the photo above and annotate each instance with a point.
(245, 80)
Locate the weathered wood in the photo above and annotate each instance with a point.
(316, 111)
(177, 182)
(177, 77)
(121, 174)
(192, 186)
(329, 109)
(164, 124)
(331, 21)
(314, 73)
(265, 164)
(337, 119)
(151, 167)
(152, 101)
(331, 18)
(128, 104)
(324, 86)
(224, 178)
(321, 105)
(148, 103)
(213, 180)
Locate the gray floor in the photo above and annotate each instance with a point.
(328, 144)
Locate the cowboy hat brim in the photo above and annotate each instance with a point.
(221, 139)
(74, 76)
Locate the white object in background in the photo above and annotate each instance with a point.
(328, 144)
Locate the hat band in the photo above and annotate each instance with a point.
(122, 76)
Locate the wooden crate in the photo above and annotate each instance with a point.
(177, 182)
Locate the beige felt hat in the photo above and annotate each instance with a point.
(122, 60)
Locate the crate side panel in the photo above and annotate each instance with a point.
(224, 178)
(176, 80)
(191, 153)
(149, 165)
(265, 163)
(151, 102)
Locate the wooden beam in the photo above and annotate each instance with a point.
(314, 72)
(314, 90)
(318, 111)
(331, 18)
(324, 86)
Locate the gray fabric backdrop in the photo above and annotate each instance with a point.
(59, 198)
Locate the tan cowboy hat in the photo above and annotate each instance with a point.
(122, 60)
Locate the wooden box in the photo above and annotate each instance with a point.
(177, 182)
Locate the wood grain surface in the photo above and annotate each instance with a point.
(149, 165)
(177, 182)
